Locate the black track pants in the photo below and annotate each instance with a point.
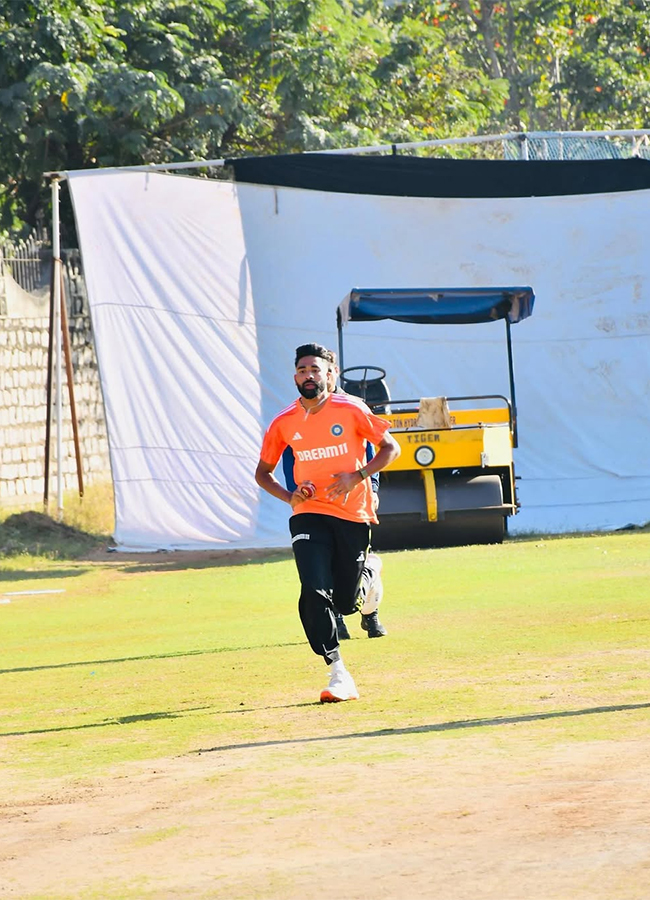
(330, 554)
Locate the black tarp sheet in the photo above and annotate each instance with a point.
(409, 176)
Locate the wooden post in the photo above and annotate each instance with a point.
(68, 368)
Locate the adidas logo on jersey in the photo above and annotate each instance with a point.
(297, 436)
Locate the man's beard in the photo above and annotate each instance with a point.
(311, 390)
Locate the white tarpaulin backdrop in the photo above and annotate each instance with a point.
(201, 290)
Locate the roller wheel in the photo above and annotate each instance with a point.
(454, 531)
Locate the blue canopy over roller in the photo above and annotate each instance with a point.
(441, 306)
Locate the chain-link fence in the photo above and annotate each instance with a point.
(561, 145)
(29, 264)
(573, 146)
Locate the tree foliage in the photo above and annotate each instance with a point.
(569, 64)
(94, 83)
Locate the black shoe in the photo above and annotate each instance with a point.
(341, 627)
(372, 625)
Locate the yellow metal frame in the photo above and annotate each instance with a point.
(484, 446)
(477, 439)
(430, 495)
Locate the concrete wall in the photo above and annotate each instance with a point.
(24, 331)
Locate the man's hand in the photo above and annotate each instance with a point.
(341, 484)
(297, 498)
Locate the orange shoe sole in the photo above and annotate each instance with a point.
(328, 697)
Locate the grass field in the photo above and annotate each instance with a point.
(110, 667)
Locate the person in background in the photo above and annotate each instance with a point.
(330, 527)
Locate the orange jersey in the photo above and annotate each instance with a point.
(325, 443)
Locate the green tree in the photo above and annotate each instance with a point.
(569, 64)
(440, 92)
(108, 83)
(331, 73)
(46, 58)
(607, 75)
(86, 84)
(113, 84)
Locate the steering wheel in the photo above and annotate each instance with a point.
(378, 374)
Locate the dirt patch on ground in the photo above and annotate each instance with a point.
(34, 532)
(458, 820)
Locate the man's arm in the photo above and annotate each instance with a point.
(388, 451)
(267, 481)
(374, 478)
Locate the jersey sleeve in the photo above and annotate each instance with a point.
(273, 444)
(370, 426)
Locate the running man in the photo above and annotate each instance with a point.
(369, 614)
(330, 532)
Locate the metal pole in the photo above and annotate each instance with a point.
(523, 146)
(511, 376)
(379, 148)
(56, 272)
(339, 328)
(48, 400)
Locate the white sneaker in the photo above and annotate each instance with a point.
(376, 590)
(341, 687)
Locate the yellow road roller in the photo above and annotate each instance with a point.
(454, 482)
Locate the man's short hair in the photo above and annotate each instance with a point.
(315, 350)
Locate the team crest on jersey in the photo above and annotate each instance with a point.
(336, 430)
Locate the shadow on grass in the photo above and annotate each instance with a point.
(427, 729)
(532, 536)
(176, 560)
(125, 659)
(179, 560)
(41, 575)
(116, 720)
(94, 551)
(156, 561)
(147, 717)
(381, 732)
